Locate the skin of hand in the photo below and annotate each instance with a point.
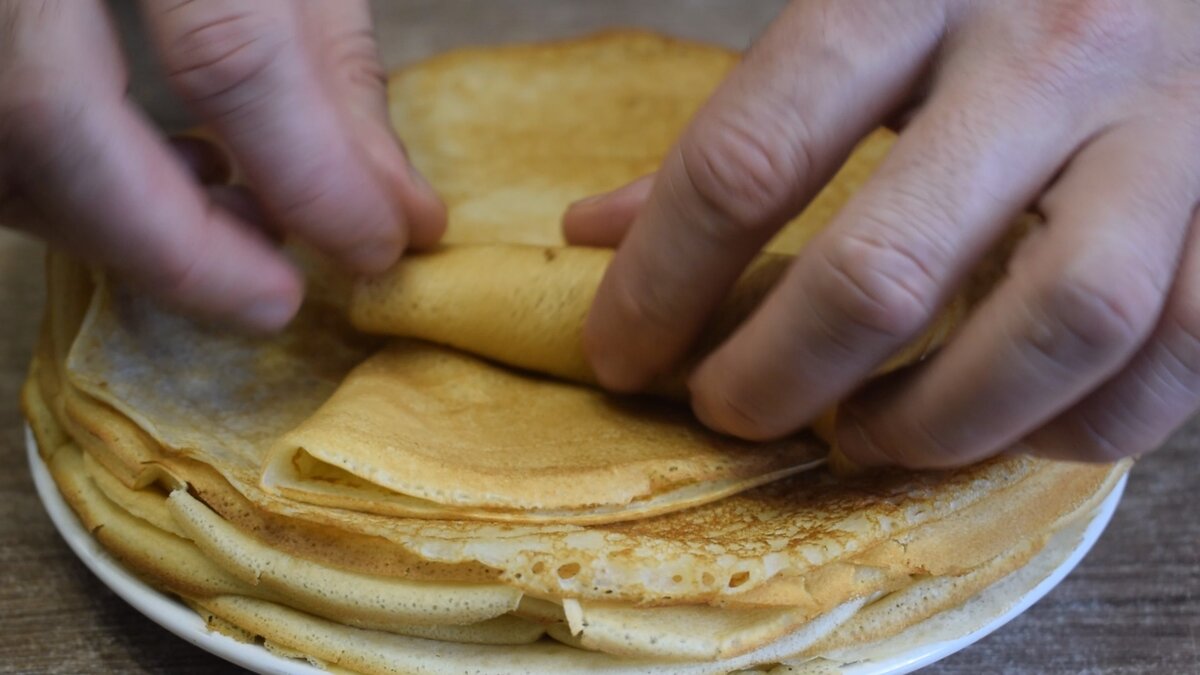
(1087, 111)
(293, 91)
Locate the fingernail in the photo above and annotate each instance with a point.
(269, 314)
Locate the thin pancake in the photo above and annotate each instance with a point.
(442, 426)
(511, 135)
(378, 652)
(360, 599)
(177, 564)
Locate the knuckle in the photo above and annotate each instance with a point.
(886, 289)
(34, 111)
(1083, 39)
(1086, 319)
(745, 173)
(1184, 319)
(321, 205)
(1180, 340)
(1103, 314)
(308, 190)
(220, 53)
(1100, 24)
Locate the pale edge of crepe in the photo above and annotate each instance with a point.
(375, 652)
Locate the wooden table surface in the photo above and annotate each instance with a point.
(1133, 606)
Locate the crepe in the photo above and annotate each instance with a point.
(175, 555)
(375, 652)
(445, 427)
(511, 135)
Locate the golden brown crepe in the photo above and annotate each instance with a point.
(425, 422)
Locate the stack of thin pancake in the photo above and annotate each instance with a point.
(418, 476)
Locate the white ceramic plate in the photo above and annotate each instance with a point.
(178, 618)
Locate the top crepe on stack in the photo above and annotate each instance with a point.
(333, 492)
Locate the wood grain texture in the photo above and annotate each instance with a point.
(1133, 606)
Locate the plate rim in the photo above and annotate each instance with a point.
(185, 623)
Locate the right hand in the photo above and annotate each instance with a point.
(295, 93)
(1085, 110)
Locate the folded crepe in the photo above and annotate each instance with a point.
(418, 422)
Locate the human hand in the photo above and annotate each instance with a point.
(293, 90)
(1090, 349)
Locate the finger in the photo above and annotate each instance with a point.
(241, 203)
(248, 69)
(1078, 302)
(345, 41)
(818, 80)
(207, 162)
(106, 188)
(603, 220)
(879, 273)
(1155, 394)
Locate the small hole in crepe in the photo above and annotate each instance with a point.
(569, 570)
